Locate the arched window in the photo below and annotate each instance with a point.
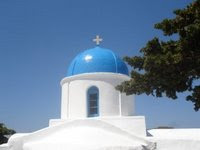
(93, 101)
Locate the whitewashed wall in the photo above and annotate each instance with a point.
(111, 101)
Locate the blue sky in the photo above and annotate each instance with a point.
(38, 40)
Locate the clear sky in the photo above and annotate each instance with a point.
(39, 38)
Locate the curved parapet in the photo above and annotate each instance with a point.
(82, 134)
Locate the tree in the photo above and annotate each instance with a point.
(3, 132)
(173, 66)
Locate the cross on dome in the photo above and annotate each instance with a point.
(97, 40)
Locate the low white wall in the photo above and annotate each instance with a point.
(176, 144)
(176, 139)
(132, 124)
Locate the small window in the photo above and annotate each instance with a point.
(93, 101)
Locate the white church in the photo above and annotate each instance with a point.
(95, 116)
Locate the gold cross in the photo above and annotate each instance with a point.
(97, 40)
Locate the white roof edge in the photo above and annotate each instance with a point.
(96, 75)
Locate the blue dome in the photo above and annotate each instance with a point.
(97, 60)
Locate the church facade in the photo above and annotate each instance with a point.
(95, 116)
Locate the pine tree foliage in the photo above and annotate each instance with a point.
(170, 67)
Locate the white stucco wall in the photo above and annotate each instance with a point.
(86, 134)
(128, 105)
(176, 139)
(111, 101)
(132, 124)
